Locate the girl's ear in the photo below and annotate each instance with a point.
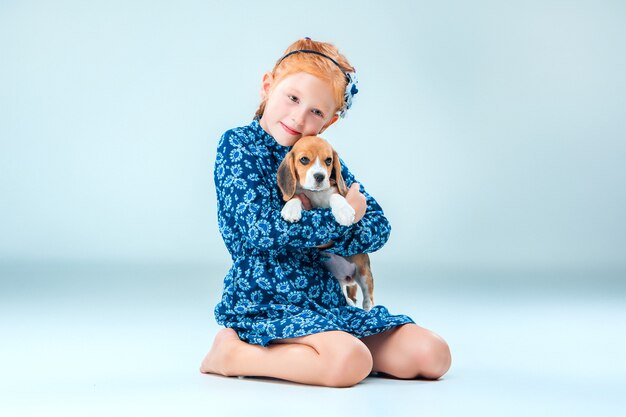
(336, 174)
(327, 125)
(286, 177)
(266, 85)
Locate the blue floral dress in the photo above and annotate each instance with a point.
(277, 286)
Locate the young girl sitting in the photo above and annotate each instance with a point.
(285, 314)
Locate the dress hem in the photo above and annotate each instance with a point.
(266, 340)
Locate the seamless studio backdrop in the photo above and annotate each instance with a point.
(492, 134)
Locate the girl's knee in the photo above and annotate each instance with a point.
(435, 358)
(429, 359)
(349, 364)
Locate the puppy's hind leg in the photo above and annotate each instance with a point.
(367, 289)
(364, 278)
(344, 271)
(351, 294)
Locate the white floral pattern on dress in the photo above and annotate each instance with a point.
(277, 286)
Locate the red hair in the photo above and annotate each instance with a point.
(316, 65)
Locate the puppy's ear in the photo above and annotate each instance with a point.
(286, 177)
(336, 174)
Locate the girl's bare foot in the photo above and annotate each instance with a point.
(218, 359)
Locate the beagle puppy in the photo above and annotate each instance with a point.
(312, 167)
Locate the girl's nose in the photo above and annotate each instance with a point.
(298, 116)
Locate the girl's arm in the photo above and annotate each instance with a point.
(370, 233)
(249, 205)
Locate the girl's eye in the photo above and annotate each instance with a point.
(328, 161)
(318, 113)
(304, 160)
(293, 98)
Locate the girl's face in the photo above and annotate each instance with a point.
(299, 105)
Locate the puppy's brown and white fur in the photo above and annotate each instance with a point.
(312, 167)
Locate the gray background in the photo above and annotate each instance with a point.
(492, 133)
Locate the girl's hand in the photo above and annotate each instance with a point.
(357, 201)
(306, 203)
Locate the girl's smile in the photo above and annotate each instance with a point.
(289, 130)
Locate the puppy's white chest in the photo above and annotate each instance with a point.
(320, 198)
(343, 212)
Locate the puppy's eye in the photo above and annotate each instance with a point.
(328, 161)
(304, 160)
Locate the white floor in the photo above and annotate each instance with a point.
(127, 341)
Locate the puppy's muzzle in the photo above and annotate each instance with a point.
(319, 177)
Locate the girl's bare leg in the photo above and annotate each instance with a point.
(409, 352)
(334, 358)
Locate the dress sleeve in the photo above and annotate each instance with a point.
(370, 233)
(249, 204)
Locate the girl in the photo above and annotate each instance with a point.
(284, 313)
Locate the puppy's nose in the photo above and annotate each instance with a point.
(318, 177)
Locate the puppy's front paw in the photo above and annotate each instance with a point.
(292, 211)
(367, 304)
(344, 214)
(342, 211)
